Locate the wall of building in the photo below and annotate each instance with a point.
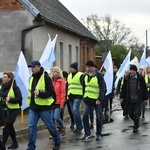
(14, 18)
(66, 46)
(11, 24)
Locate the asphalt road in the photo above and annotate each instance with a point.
(117, 135)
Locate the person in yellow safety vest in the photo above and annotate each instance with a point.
(41, 97)
(93, 97)
(11, 95)
(75, 94)
(147, 80)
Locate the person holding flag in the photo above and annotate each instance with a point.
(41, 97)
(11, 96)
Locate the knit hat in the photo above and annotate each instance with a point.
(90, 63)
(10, 74)
(34, 63)
(74, 65)
(133, 67)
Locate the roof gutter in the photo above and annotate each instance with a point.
(23, 34)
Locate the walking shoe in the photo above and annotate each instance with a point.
(126, 117)
(98, 138)
(63, 131)
(91, 126)
(50, 137)
(85, 137)
(13, 146)
(124, 113)
(135, 130)
(72, 126)
(77, 130)
(59, 129)
(57, 146)
(143, 116)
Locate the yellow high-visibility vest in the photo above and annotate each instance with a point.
(12, 95)
(146, 80)
(74, 84)
(41, 87)
(91, 88)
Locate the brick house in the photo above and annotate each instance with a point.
(25, 25)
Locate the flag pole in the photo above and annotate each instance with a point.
(101, 67)
(22, 117)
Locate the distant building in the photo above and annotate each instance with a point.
(25, 25)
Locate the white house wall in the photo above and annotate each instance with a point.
(40, 38)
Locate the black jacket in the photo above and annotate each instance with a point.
(49, 90)
(141, 87)
(2, 119)
(5, 89)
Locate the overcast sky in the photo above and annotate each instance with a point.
(134, 13)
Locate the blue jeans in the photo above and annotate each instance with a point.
(75, 104)
(92, 115)
(56, 116)
(47, 117)
(99, 119)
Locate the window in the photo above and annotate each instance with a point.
(61, 56)
(77, 54)
(70, 54)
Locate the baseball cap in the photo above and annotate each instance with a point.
(34, 63)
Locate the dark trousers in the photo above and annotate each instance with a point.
(134, 112)
(99, 119)
(2, 147)
(69, 111)
(110, 103)
(143, 108)
(124, 108)
(9, 131)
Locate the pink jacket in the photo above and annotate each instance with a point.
(59, 86)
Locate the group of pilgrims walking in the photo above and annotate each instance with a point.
(49, 94)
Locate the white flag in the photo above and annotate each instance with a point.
(126, 60)
(134, 61)
(143, 61)
(48, 56)
(22, 77)
(125, 67)
(148, 60)
(108, 77)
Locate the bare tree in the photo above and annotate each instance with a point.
(106, 28)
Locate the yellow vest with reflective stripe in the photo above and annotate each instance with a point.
(74, 84)
(91, 88)
(12, 95)
(41, 87)
(146, 81)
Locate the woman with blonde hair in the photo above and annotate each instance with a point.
(59, 86)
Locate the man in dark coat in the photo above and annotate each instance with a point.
(133, 92)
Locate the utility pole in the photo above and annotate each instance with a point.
(146, 44)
